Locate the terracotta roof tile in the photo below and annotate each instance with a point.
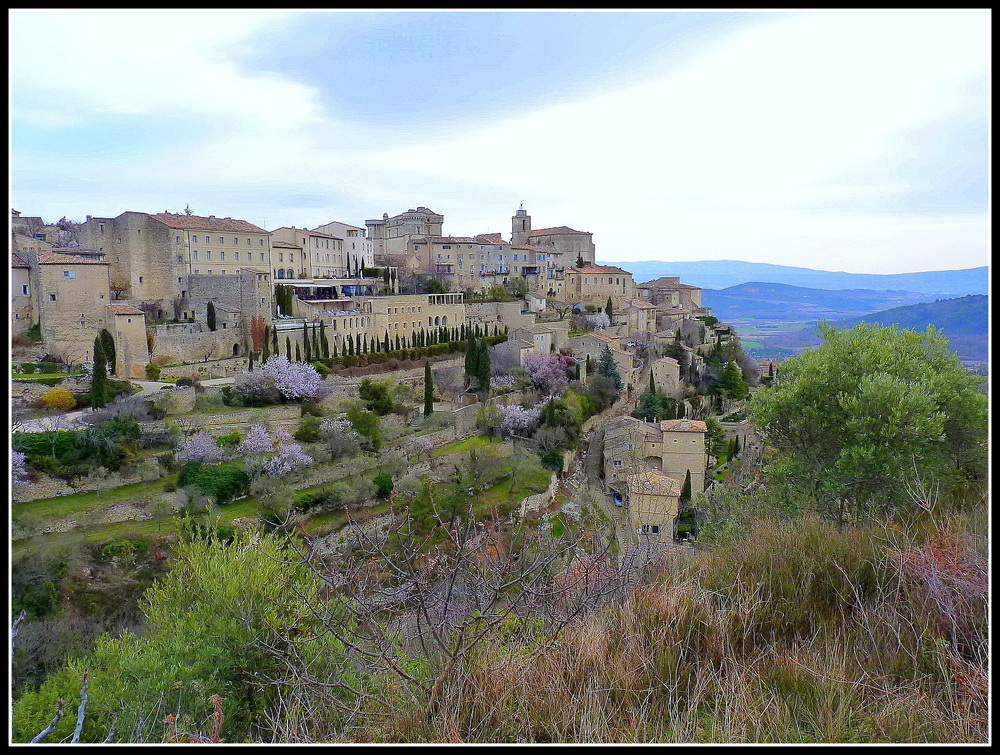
(558, 230)
(598, 269)
(58, 258)
(198, 223)
(125, 309)
(683, 425)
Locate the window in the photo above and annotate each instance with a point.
(222, 255)
(24, 290)
(140, 279)
(649, 529)
(194, 255)
(102, 296)
(222, 240)
(180, 258)
(69, 273)
(52, 297)
(262, 254)
(194, 239)
(236, 242)
(237, 255)
(262, 244)
(618, 462)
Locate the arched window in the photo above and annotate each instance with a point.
(437, 321)
(444, 320)
(289, 273)
(281, 274)
(236, 349)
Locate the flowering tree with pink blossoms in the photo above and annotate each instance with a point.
(257, 441)
(516, 420)
(278, 379)
(547, 373)
(18, 467)
(290, 457)
(200, 447)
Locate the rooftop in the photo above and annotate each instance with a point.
(598, 269)
(211, 223)
(125, 309)
(652, 481)
(683, 425)
(558, 230)
(666, 282)
(17, 261)
(59, 258)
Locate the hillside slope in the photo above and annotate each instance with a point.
(964, 321)
(782, 302)
(724, 273)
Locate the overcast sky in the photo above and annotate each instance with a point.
(836, 140)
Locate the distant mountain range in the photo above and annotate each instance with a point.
(780, 302)
(964, 322)
(718, 274)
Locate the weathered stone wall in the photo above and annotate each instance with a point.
(100, 479)
(218, 368)
(194, 342)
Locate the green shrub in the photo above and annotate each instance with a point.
(153, 371)
(308, 430)
(49, 367)
(224, 482)
(230, 440)
(383, 484)
(28, 367)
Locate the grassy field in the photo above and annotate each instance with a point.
(476, 441)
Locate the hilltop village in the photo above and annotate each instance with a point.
(191, 299)
(381, 484)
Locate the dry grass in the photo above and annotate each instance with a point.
(796, 633)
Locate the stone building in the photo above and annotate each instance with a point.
(389, 236)
(670, 290)
(595, 285)
(149, 255)
(666, 374)
(562, 245)
(645, 465)
(357, 246)
(72, 297)
(309, 254)
(22, 310)
(673, 447)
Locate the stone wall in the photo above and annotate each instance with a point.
(100, 479)
(194, 342)
(217, 368)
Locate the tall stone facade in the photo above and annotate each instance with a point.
(389, 235)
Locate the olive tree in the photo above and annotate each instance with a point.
(871, 411)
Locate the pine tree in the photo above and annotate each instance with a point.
(579, 261)
(428, 389)
(210, 317)
(606, 366)
(109, 351)
(99, 377)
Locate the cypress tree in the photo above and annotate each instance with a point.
(274, 341)
(333, 350)
(305, 342)
(267, 353)
(398, 346)
(315, 344)
(428, 389)
(109, 351)
(288, 348)
(250, 362)
(385, 344)
(298, 356)
(608, 310)
(483, 366)
(210, 316)
(652, 384)
(686, 490)
(470, 362)
(324, 341)
(99, 377)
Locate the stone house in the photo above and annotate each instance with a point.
(22, 310)
(309, 254)
(673, 447)
(596, 284)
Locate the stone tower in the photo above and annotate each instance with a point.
(520, 227)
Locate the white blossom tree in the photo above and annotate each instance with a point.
(200, 447)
